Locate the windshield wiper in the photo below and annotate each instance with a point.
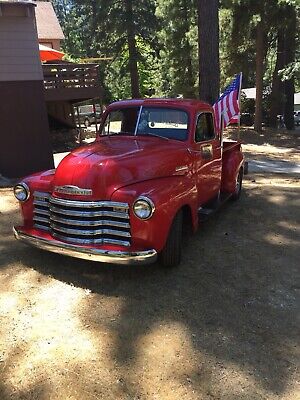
(120, 133)
(152, 134)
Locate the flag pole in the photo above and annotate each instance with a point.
(240, 89)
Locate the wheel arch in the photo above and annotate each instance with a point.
(232, 163)
(170, 195)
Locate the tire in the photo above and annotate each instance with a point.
(170, 256)
(238, 187)
(87, 123)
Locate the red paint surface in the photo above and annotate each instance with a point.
(124, 168)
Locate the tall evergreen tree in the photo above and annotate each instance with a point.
(208, 40)
(261, 50)
(110, 28)
(277, 94)
(178, 41)
(254, 24)
(121, 24)
(290, 49)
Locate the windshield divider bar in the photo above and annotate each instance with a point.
(138, 121)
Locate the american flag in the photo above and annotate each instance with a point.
(228, 103)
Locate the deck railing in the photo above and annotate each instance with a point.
(71, 76)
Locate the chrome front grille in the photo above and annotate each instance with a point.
(83, 222)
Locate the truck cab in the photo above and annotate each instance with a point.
(155, 166)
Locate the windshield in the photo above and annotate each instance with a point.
(163, 122)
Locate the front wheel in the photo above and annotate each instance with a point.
(238, 186)
(170, 256)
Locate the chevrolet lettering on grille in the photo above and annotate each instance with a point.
(70, 189)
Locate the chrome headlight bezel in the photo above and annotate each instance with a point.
(22, 188)
(140, 203)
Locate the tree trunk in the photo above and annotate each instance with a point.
(133, 69)
(260, 55)
(189, 90)
(276, 106)
(208, 44)
(289, 85)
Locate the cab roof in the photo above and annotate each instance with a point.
(191, 104)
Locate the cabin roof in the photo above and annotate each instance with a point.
(47, 23)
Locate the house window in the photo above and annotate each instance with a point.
(48, 44)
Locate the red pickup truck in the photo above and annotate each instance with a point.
(155, 166)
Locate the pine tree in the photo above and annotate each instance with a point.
(208, 40)
(110, 28)
(178, 41)
(290, 48)
(252, 38)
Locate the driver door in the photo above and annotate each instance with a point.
(207, 158)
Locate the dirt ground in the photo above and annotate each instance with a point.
(224, 325)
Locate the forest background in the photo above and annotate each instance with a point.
(190, 48)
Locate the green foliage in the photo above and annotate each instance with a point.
(166, 39)
(117, 78)
(178, 56)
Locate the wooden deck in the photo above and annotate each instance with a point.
(71, 82)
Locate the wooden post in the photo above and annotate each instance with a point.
(73, 116)
(79, 123)
(94, 109)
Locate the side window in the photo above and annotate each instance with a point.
(204, 128)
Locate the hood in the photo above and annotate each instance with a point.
(111, 163)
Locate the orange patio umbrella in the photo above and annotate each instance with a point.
(48, 54)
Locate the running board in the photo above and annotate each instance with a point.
(211, 208)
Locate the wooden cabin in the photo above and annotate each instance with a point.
(24, 134)
(32, 93)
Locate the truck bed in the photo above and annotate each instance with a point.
(231, 162)
(231, 145)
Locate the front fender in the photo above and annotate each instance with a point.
(169, 196)
(42, 182)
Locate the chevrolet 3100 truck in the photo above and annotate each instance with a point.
(155, 166)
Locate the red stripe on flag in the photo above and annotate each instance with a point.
(236, 103)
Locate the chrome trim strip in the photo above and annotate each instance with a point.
(181, 168)
(92, 254)
(88, 204)
(89, 223)
(42, 227)
(41, 211)
(42, 195)
(85, 232)
(90, 241)
(84, 213)
(40, 203)
(41, 219)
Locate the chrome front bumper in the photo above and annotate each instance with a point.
(92, 254)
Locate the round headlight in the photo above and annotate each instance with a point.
(21, 192)
(143, 208)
